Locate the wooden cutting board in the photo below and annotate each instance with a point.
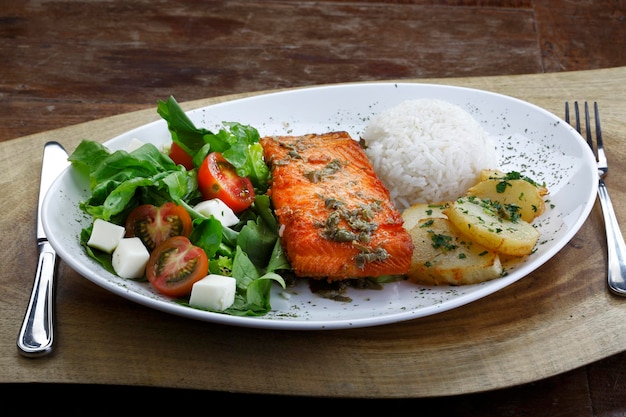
(556, 319)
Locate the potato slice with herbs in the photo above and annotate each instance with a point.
(442, 255)
(496, 226)
(519, 192)
(512, 188)
(412, 215)
(489, 174)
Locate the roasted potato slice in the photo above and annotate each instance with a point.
(442, 255)
(480, 221)
(491, 174)
(488, 174)
(412, 215)
(520, 192)
(512, 187)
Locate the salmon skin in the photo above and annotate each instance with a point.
(336, 220)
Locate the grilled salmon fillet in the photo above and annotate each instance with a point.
(336, 218)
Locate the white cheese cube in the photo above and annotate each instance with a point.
(130, 258)
(105, 235)
(134, 144)
(213, 292)
(218, 209)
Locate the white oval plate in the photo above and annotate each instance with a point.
(530, 140)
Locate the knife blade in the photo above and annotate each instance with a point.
(37, 331)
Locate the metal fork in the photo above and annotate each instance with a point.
(615, 241)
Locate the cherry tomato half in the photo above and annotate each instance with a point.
(154, 224)
(180, 157)
(175, 265)
(217, 178)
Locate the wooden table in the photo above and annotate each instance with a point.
(550, 343)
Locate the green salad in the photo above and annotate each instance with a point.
(122, 181)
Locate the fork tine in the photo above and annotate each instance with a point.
(567, 115)
(598, 130)
(601, 155)
(588, 126)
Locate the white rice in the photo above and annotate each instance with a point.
(427, 151)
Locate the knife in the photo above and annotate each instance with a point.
(37, 332)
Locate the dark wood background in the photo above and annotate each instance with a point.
(67, 62)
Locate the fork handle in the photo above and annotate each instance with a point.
(615, 243)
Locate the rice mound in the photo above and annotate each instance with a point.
(427, 151)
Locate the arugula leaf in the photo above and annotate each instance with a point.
(257, 241)
(183, 131)
(207, 234)
(278, 260)
(253, 289)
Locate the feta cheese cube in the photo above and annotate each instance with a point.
(214, 292)
(134, 144)
(130, 258)
(218, 209)
(105, 235)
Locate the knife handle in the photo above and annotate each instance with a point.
(37, 332)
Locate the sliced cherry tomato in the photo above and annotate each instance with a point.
(154, 224)
(175, 265)
(180, 157)
(217, 178)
